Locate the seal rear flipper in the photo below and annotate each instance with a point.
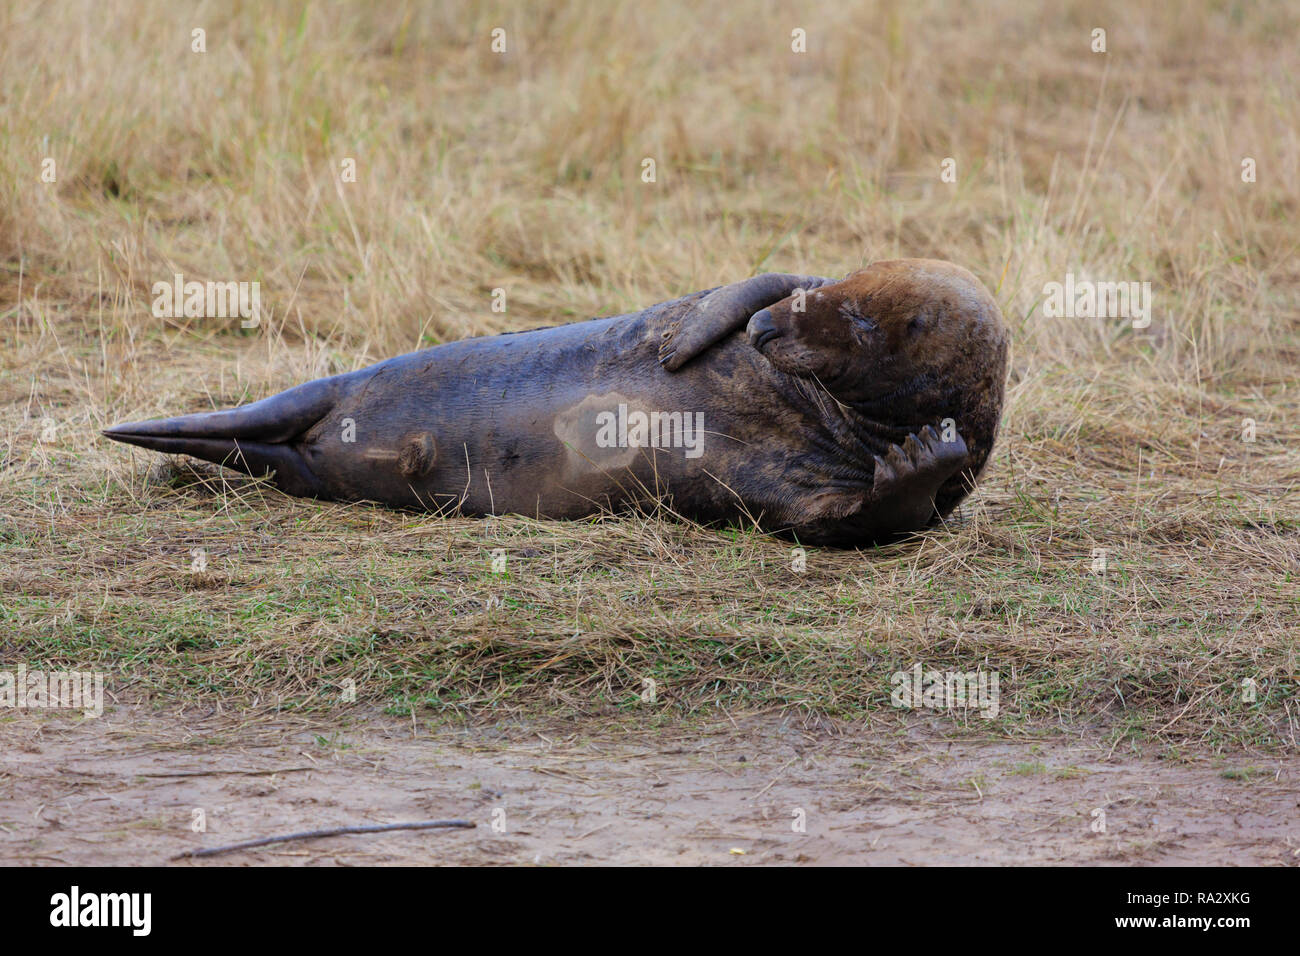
(728, 310)
(255, 439)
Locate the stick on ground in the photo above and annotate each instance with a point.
(336, 831)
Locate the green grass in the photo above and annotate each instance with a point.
(293, 605)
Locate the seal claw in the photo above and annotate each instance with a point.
(728, 309)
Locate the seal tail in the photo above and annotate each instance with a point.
(255, 439)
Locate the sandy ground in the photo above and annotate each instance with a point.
(124, 789)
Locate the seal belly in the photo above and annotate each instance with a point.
(486, 426)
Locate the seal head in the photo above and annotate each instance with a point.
(900, 345)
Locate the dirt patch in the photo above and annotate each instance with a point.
(124, 789)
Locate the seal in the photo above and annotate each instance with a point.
(836, 412)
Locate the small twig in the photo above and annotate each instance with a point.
(597, 830)
(779, 773)
(336, 831)
(220, 773)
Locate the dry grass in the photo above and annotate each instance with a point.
(521, 171)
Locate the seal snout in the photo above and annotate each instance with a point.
(761, 329)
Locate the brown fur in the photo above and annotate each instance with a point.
(928, 343)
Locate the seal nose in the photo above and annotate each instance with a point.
(761, 328)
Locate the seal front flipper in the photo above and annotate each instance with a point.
(901, 499)
(255, 439)
(728, 310)
(907, 478)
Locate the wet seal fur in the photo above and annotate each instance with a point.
(866, 415)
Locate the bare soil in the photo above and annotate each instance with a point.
(124, 789)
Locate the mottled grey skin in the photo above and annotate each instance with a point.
(817, 423)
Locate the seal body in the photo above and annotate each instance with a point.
(838, 412)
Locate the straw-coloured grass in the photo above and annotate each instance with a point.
(522, 171)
